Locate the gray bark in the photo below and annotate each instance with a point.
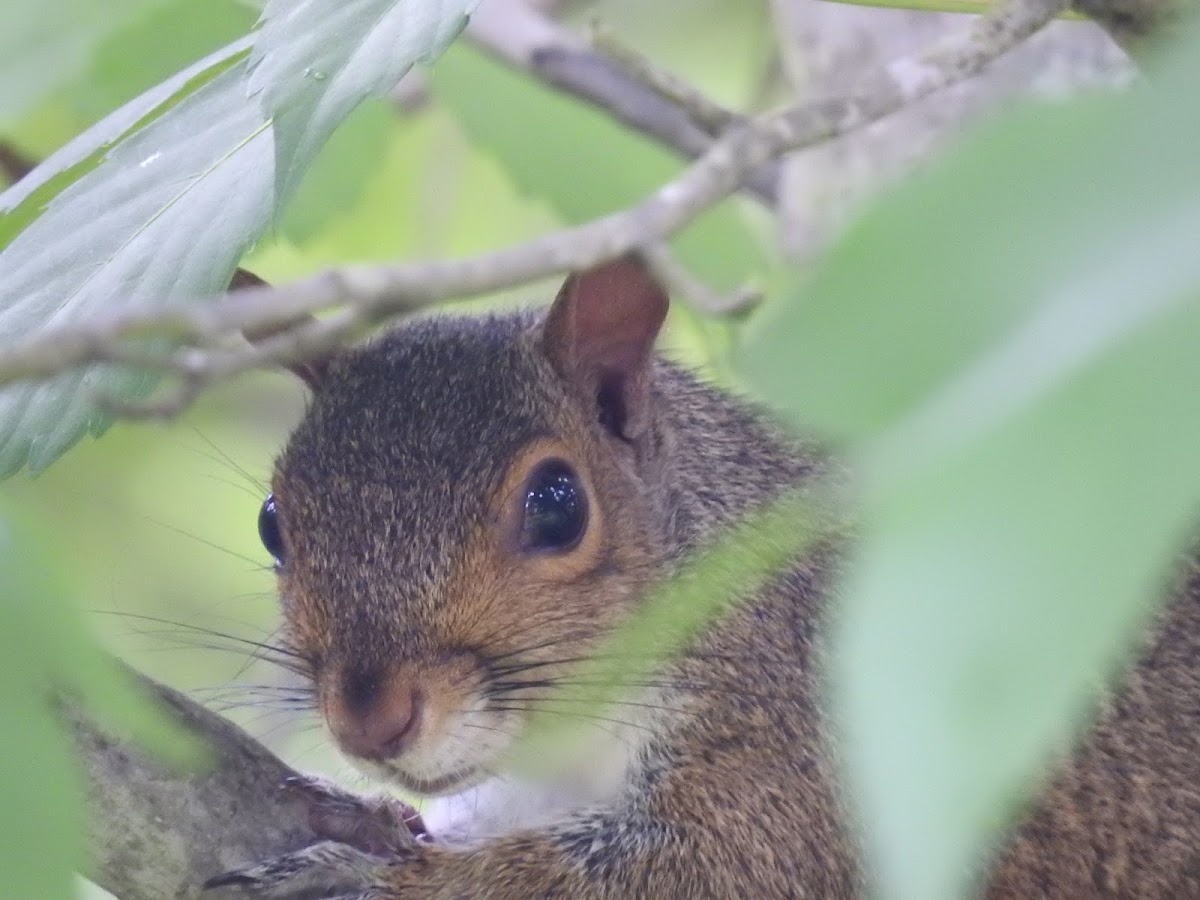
(156, 833)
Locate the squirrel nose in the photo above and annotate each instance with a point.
(379, 725)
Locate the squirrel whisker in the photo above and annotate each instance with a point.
(277, 653)
(678, 684)
(574, 714)
(219, 456)
(257, 564)
(633, 703)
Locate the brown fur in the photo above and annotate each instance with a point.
(400, 498)
(1121, 818)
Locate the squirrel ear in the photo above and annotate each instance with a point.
(311, 371)
(600, 334)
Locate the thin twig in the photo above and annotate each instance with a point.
(702, 110)
(14, 165)
(797, 216)
(680, 282)
(363, 296)
(519, 36)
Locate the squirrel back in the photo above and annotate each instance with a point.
(472, 504)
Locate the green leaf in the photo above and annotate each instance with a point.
(342, 170)
(956, 6)
(24, 200)
(1008, 344)
(196, 29)
(46, 43)
(315, 61)
(45, 648)
(580, 162)
(164, 219)
(188, 185)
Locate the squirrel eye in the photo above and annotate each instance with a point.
(268, 529)
(555, 508)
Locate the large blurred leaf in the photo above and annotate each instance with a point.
(44, 648)
(45, 43)
(40, 848)
(1009, 341)
(316, 60)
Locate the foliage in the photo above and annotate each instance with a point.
(1007, 344)
(956, 6)
(157, 202)
(44, 648)
(1002, 344)
(167, 202)
(622, 167)
(43, 45)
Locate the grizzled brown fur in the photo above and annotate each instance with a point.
(400, 495)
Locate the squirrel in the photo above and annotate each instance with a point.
(471, 503)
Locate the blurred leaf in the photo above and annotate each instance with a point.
(715, 45)
(164, 218)
(46, 43)
(44, 648)
(316, 60)
(456, 202)
(175, 203)
(26, 200)
(957, 6)
(1010, 339)
(341, 171)
(153, 48)
(579, 161)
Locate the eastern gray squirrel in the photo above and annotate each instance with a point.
(471, 503)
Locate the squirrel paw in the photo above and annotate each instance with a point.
(362, 839)
(328, 870)
(377, 825)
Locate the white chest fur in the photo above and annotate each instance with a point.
(496, 807)
(600, 768)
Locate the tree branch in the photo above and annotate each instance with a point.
(155, 833)
(365, 295)
(797, 215)
(1135, 23)
(709, 115)
(519, 36)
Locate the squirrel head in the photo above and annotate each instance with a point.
(467, 506)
